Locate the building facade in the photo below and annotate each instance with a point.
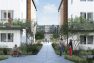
(70, 9)
(11, 13)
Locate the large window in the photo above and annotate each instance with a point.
(83, 39)
(82, 0)
(89, 0)
(7, 37)
(83, 14)
(10, 37)
(3, 37)
(90, 39)
(88, 15)
(6, 14)
(86, 39)
(86, 0)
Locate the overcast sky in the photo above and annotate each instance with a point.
(47, 13)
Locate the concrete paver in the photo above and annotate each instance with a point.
(46, 55)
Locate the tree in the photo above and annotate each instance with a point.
(39, 35)
(55, 32)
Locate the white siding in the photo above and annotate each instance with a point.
(78, 6)
(16, 38)
(76, 40)
(14, 5)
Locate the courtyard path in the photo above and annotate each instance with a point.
(46, 55)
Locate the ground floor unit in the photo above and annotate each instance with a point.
(81, 40)
(11, 36)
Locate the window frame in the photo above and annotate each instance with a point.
(7, 14)
(7, 38)
(86, 39)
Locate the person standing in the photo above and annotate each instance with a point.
(70, 47)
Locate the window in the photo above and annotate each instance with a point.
(10, 37)
(86, 0)
(6, 14)
(6, 37)
(86, 39)
(83, 39)
(71, 1)
(3, 37)
(90, 39)
(82, 0)
(83, 14)
(90, 0)
(90, 16)
(3, 14)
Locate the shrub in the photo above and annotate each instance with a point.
(85, 52)
(30, 48)
(5, 51)
(56, 48)
(2, 57)
(76, 59)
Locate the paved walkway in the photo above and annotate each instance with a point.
(46, 55)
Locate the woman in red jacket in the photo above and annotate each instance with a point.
(70, 47)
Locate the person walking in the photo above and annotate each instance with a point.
(61, 46)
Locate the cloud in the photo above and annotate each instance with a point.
(36, 1)
(49, 8)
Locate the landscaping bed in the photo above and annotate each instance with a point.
(5, 51)
(57, 49)
(79, 56)
(3, 57)
(30, 49)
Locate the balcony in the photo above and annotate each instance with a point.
(14, 24)
(77, 24)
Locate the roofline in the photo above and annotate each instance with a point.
(60, 5)
(34, 5)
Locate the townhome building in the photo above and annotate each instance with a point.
(17, 18)
(83, 36)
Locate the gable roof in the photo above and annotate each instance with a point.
(34, 5)
(60, 5)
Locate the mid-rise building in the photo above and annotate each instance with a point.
(15, 15)
(71, 9)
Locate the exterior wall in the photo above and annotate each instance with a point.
(16, 38)
(74, 9)
(23, 9)
(77, 6)
(20, 11)
(76, 41)
(63, 11)
(33, 12)
(14, 5)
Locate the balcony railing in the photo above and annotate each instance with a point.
(15, 23)
(86, 25)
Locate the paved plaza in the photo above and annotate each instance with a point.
(46, 55)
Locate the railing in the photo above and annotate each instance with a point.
(81, 25)
(15, 23)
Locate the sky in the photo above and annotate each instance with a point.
(47, 12)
